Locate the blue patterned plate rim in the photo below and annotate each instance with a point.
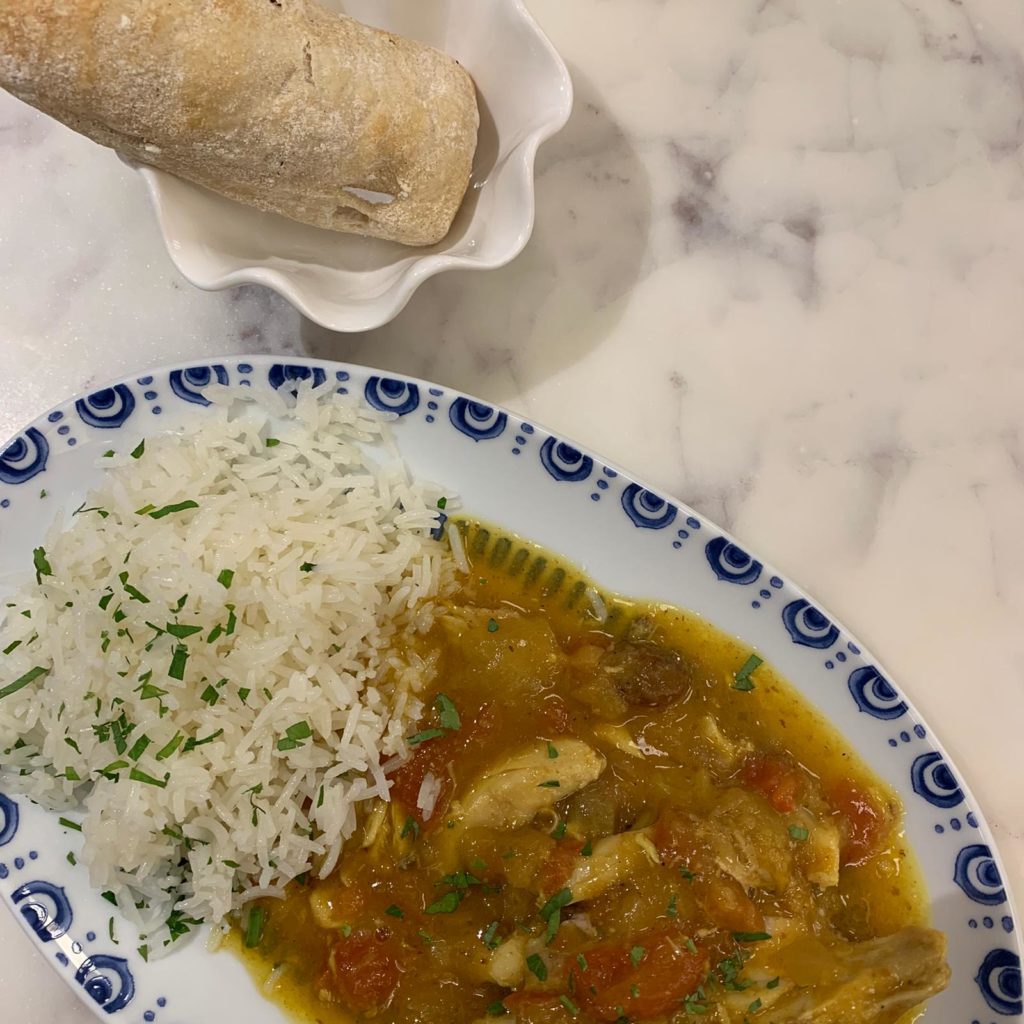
(505, 468)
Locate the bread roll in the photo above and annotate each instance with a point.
(280, 104)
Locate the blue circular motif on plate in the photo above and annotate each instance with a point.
(24, 457)
(8, 819)
(188, 384)
(729, 562)
(874, 694)
(931, 778)
(283, 373)
(106, 409)
(390, 395)
(977, 873)
(476, 420)
(999, 979)
(808, 626)
(646, 509)
(107, 980)
(564, 462)
(45, 907)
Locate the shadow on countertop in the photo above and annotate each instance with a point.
(497, 333)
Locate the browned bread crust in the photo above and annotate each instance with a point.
(280, 104)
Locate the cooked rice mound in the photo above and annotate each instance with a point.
(219, 685)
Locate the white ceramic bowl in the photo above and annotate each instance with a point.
(349, 283)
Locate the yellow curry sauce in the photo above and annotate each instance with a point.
(632, 819)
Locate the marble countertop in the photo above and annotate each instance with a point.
(797, 227)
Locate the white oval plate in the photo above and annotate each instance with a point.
(627, 537)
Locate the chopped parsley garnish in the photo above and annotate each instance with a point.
(687, 874)
(139, 776)
(232, 620)
(549, 784)
(182, 632)
(139, 747)
(552, 751)
(395, 911)
(426, 937)
(294, 736)
(71, 859)
(798, 833)
(636, 954)
(167, 510)
(210, 696)
(671, 909)
(191, 744)
(111, 770)
(139, 450)
(225, 578)
(178, 924)
(41, 564)
(22, 681)
(489, 937)
(539, 969)
(254, 927)
(243, 696)
(442, 502)
(132, 592)
(71, 775)
(447, 904)
(582, 961)
(109, 897)
(346, 930)
(573, 1009)
(273, 442)
(559, 830)
(551, 913)
(72, 744)
(774, 983)
(164, 752)
(588, 849)
(422, 737)
(751, 936)
(12, 646)
(410, 828)
(447, 714)
(754, 1006)
(742, 680)
(497, 1009)
(178, 661)
(492, 626)
(67, 823)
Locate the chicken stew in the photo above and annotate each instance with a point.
(612, 813)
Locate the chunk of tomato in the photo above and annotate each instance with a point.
(775, 779)
(643, 979)
(864, 821)
(558, 867)
(435, 756)
(362, 972)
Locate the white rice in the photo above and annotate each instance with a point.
(318, 647)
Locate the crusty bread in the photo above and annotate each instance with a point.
(281, 104)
